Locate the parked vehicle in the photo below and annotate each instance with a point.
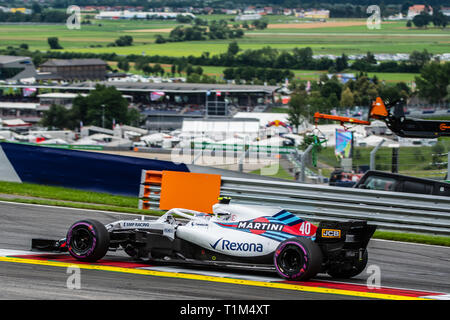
(386, 181)
(340, 178)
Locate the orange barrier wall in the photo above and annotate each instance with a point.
(194, 191)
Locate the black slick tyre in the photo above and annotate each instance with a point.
(87, 240)
(297, 259)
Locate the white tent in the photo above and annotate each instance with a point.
(86, 141)
(15, 123)
(155, 138)
(274, 141)
(263, 117)
(248, 126)
(233, 140)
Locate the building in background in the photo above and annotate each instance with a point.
(16, 68)
(417, 9)
(75, 69)
(117, 15)
(446, 11)
(317, 14)
(248, 17)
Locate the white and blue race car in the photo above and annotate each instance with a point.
(234, 235)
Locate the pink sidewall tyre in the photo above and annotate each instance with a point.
(297, 259)
(87, 240)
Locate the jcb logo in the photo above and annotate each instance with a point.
(331, 233)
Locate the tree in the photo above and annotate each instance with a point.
(158, 69)
(123, 65)
(433, 81)
(393, 93)
(439, 19)
(233, 48)
(103, 100)
(160, 39)
(36, 8)
(341, 63)
(189, 70)
(331, 87)
(419, 59)
(260, 24)
(56, 117)
(298, 108)
(198, 70)
(124, 41)
(229, 74)
(147, 69)
(53, 42)
(422, 20)
(347, 99)
(437, 156)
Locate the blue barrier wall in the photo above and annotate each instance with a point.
(92, 171)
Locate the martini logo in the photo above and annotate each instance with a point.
(265, 226)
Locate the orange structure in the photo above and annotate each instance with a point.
(342, 119)
(377, 111)
(194, 191)
(188, 190)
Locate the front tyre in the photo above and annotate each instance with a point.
(87, 240)
(298, 259)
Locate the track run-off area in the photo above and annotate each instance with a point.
(396, 270)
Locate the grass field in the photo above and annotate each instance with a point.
(337, 36)
(312, 75)
(393, 37)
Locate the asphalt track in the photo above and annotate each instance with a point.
(421, 269)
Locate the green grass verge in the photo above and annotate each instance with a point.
(60, 193)
(87, 206)
(281, 173)
(413, 237)
(65, 197)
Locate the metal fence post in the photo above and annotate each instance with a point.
(303, 161)
(373, 153)
(448, 167)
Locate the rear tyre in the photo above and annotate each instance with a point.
(298, 259)
(87, 240)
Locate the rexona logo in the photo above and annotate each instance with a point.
(260, 226)
(237, 246)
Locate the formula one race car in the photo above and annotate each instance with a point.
(235, 235)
